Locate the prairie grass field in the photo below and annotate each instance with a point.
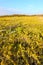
(21, 40)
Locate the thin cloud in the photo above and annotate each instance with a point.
(8, 11)
(28, 11)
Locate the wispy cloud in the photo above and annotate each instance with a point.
(30, 10)
(8, 11)
(4, 11)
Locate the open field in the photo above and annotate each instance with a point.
(21, 40)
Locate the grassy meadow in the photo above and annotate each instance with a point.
(21, 40)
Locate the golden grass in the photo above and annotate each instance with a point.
(21, 40)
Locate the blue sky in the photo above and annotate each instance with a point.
(21, 7)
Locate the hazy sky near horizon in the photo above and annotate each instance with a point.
(21, 7)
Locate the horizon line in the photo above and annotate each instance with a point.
(21, 15)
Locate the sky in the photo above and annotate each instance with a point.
(28, 7)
